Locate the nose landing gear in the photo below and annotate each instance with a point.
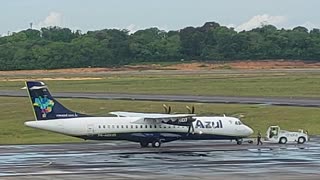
(239, 141)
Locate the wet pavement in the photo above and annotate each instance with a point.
(175, 160)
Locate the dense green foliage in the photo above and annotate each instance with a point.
(55, 47)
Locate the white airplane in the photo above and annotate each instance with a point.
(145, 128)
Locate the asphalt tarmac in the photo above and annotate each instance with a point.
(175, 160)
(303, 102)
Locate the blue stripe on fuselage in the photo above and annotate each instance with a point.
(166, 137)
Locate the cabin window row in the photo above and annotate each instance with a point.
(136, 126)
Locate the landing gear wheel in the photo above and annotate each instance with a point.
(301, 140)
(239, 141)
(156, 144)
(283, 140)
(144, 144)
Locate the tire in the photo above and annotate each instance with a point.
(144, 144)
(283, 140)
(301, 140)
(156, 144)
(239, 141)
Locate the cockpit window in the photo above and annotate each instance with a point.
(238, 122)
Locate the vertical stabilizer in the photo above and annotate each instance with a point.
(45, 107)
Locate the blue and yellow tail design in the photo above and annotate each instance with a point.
(45, 107)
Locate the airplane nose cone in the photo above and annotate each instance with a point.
(249, 131)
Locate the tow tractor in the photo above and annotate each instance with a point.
(276, 135)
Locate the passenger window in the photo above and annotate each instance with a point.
(112, 126)
(127, 126)
(146, 126)
(141, 126)
(131, 126)
(99, 126)
(108, 126)
(155, 126)
(150, 126)
(136, 126)
(122, 126)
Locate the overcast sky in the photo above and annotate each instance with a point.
(16, 15)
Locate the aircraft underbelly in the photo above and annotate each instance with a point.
(165, 137)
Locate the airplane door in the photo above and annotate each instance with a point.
(90, 129)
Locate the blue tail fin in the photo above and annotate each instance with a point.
(45, 107)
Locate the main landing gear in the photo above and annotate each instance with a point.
(155, 144)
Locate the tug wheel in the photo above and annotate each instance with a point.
(283, 140)
(301, 140)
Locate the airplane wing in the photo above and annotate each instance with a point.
(135, 114)
(174, 119)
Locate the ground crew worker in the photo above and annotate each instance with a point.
(259, 138)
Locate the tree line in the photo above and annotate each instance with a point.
(56, 47)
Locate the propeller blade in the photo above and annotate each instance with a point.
(191, 129)
(165, 108)
(190, 110)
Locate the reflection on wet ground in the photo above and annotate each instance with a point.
(177, 160)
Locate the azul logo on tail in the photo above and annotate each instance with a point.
(45, 104)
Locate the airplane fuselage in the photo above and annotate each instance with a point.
(123, 128)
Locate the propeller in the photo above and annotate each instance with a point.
(191, 127)
(190, 110)
(167, 109)
(239, 115)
